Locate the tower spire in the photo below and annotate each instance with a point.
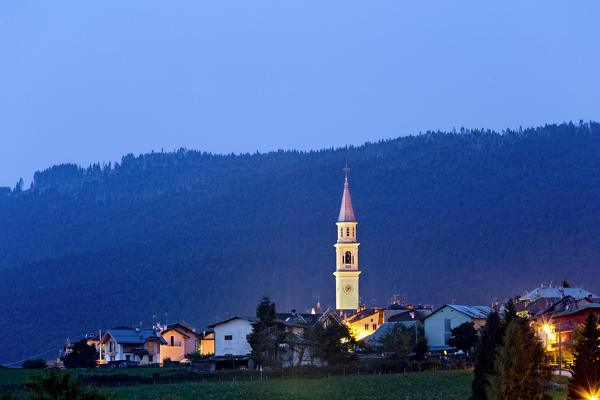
(346, 210)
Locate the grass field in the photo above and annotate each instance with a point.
(455, 385)
(451, 385)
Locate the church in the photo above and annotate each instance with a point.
(346, 255)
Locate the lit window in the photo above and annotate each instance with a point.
(228, 337)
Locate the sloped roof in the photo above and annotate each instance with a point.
(477, 312)
(183, 329)
(249, 319)
(346, 210)
(408, 315)
(556, 292)
(384, 329)
(364, 314)
(576, 310)
(132, 336)
(298, 318)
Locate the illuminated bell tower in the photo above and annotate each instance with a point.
(346, 255)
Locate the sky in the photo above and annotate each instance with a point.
(88, 82)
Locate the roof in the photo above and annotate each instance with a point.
(183, 329)
(476, 312)
(556, 292)
(364, 314)
(384, 329)
(298, 318)
(409, 315)
(180, 331)
(133, 336)
(576, 310)
(249, 319)
(346, 210)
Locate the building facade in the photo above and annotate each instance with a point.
(439, 324)
(346, 255)
(180, 340)
(231, 337)
(132, 346)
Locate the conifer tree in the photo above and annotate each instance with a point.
(267, 334)
(520, 368)
(585, 381)
(490, 339)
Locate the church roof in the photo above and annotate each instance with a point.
(346, 211)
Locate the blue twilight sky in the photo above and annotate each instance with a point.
(88, 81)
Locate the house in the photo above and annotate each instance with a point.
(207, 343)
(365, 321)
(554, 292)
(386, 328)
(439, 324)
(180, 340)
(124, 346)
(303, 353)
(537, 300)
(231, 336)
(555, 327)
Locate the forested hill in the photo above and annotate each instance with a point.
(442, 216)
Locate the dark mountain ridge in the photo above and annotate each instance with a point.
(442, 216)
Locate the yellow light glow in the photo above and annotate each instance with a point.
(547, 329)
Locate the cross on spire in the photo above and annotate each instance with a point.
(346, 169)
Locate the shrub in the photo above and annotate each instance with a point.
(36, 363)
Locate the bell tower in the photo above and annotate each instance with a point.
(346, 254)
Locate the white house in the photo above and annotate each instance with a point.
(132, 346)
(231, 336)
(439, 324)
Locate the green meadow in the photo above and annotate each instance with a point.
(448, 385)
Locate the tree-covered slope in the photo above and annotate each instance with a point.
(442, 216)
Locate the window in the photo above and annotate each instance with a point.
(366, 327)
(230, 337)
(341, 231)
(150, 358)
(347, 231)
(111, 346)
(352, 232)
(172, 341)
(374, 327)
(348, 258)
(447, 330)
(127, 357)
(112, 358)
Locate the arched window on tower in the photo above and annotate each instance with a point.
(348, 258)
(341, 231)
(353, 232)
(347, 231)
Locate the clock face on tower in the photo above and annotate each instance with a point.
(348, 288)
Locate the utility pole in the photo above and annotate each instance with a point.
(559, 350)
